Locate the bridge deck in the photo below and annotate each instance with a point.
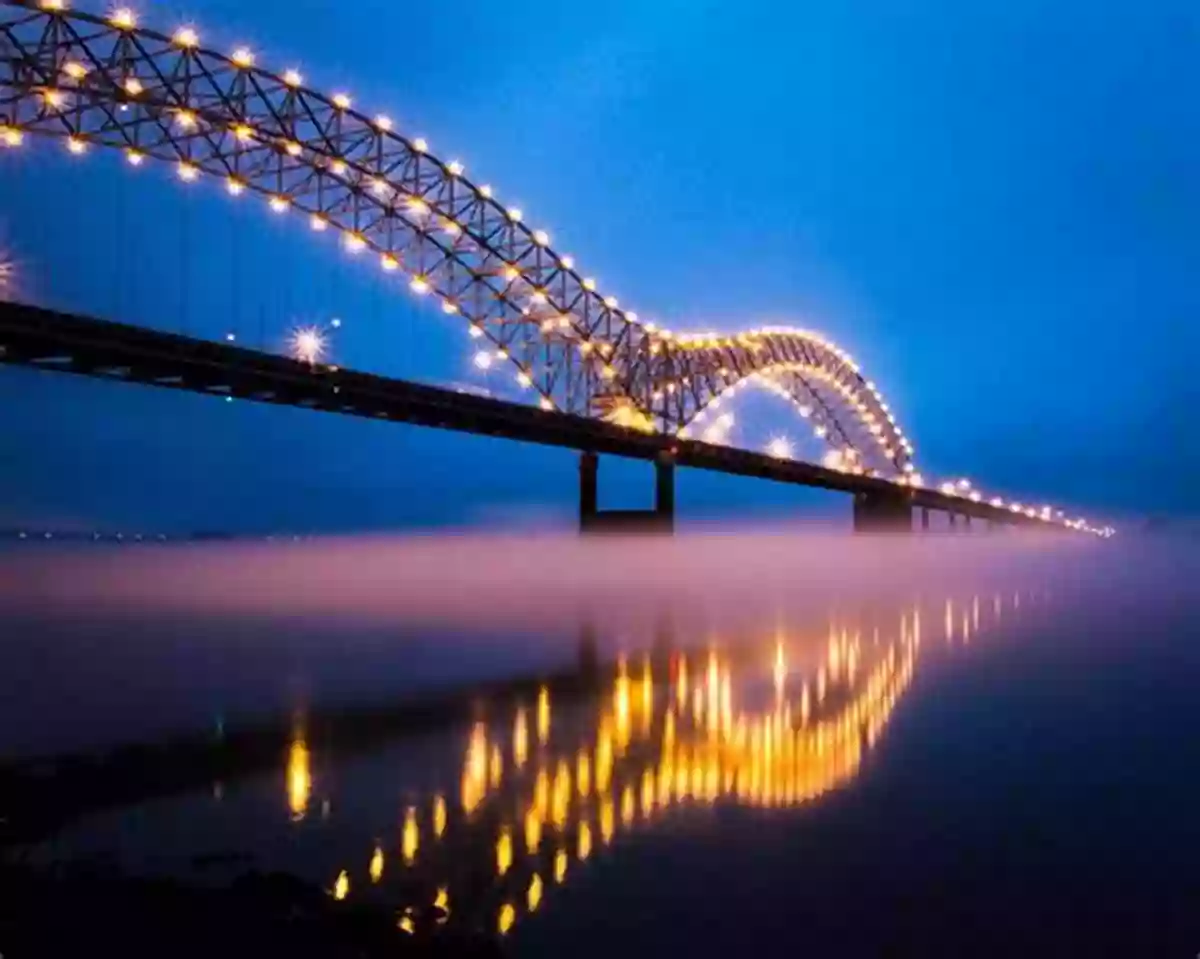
(48, 340)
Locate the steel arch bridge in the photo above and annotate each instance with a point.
(105, 81)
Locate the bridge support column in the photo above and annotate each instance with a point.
(592, 519)
(664, 489)
(882, 513)
(589, 467)
(925, 518)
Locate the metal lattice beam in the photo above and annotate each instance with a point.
(94, 80)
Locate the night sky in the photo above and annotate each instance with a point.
(995, 208)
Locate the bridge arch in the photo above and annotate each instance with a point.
(104, 80)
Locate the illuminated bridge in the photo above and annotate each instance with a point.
(104, 81)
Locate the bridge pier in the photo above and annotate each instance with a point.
(660, 519)
(882, 513)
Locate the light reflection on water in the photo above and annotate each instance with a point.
(500, 822)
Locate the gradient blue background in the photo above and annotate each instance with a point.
(995, 208)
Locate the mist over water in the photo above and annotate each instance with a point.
(107, 644)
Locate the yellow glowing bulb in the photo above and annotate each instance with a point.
(589, 283)
(292, 78)
(12, 137)
(76, 145)
(123, 19)
(485, 191)
(133, 86)
(234, 186)
(186, 119)
(318, 222)
(293, 148)
(376, 867)
(187, 172)
(389, 262)
(421, 145)
(383, 123)
(541, 238)
(278, 204)
(419, 285)
(243, 57)
(514, 214)
(449, 307)
(53, 98)
(76, 71)
(337, 167)
(53, 4)
(455, 168)
(134, 157)
(534, 896)
(506, 917)
(341, 101)
(560, 865)
(341, 886)
(354, 242)
(186, 37)
(243, 132)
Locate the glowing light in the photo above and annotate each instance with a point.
(455, 168)
(279, 204)
(299, 778)
(534, 896)
(234, 187)
(12, 137)
(560, 865)
(417, 206)
(421, 145)
(133, 86)
(341, 886)
(53, 98)
(376, 867)
(449, 306)
(292, 78)
(186, 119)
(76, 145)
(53, 4)
(410, 837)
(419, 285)
(123, 19)
(504, 851)
(318, 222)
(308, 344)
(541, 238)
(383, 123)
(187, 172)
(76, 71)
(389, 262)
(337, 167)
(543, 715)
(134, 157)
(243, 57)
(439, 816)
(485, 191)
(186, 37)
(780, 448)
(506, 917)
(354, 242)
(341, 101)
(514, 214)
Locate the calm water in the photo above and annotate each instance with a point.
(998, 764)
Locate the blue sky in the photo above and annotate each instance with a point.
(995, 208)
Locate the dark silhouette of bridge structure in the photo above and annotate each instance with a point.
(604, 380)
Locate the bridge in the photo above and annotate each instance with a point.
(603, 379)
